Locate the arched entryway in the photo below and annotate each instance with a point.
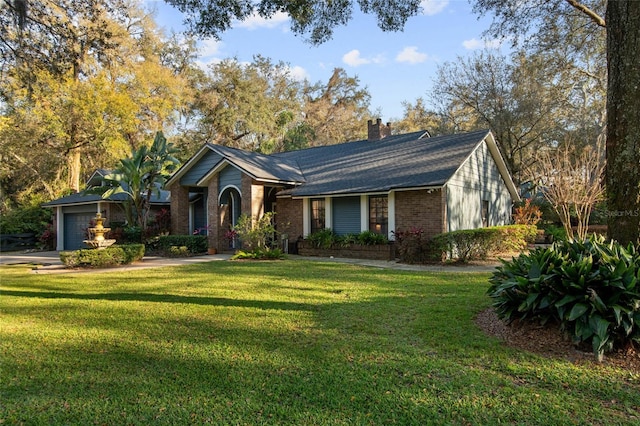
(230, 202)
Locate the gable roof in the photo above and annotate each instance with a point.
(393, 163)
(212, 158)
(407, 161)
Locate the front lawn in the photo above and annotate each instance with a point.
(290, 342)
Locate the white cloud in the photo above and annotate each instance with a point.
(298, 73)
(256, 21)
(475, 44)
(411, 55)
(354, 59)
(209, 48)
(433, 7)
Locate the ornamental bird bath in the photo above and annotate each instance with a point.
(98, 241)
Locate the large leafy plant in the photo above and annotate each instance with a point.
(139, 177)
(591, 288)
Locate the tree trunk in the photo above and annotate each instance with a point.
(623, 120)
(75, 165)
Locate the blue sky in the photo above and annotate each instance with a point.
(394, 66)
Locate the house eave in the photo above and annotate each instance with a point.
(355, 194)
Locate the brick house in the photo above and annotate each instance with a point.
(382, 184)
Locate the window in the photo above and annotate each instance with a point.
(317, 214)
(485, 213)
(379, 214)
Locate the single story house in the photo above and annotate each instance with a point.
(382, 184)
(73, 214)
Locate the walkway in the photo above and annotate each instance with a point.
(49, 262)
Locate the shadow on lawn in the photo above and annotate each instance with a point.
(167, 298)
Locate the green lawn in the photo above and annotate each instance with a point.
(289, 342)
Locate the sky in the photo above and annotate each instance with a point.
(393, 66)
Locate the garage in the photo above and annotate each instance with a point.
(75, 225)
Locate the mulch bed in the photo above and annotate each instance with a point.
(550, 342)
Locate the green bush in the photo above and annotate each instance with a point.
(132, 252)
(555, 233)
(370, 238)
(326, 238)
(194, 244)
(96, 258)
(31, 219)
(473, 244)
(467, 244)
(256, 234)
(591, 288)
(259, 254)
(323, 239)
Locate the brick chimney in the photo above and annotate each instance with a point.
(378, 131)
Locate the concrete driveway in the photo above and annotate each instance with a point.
(49, 261)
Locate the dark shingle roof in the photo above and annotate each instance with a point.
(260, 166)
(395, 162)
(84, 198)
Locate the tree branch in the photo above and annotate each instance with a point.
(599, 20)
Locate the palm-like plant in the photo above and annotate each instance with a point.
(141, 176)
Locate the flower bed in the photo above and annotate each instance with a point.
(355, 251)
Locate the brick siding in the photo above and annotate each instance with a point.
(421, 209)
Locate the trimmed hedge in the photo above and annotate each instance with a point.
(474, 244)
(591, 288)
(182, 245)
(103, 258)
(464, 245)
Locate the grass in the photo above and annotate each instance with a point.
(288, 342)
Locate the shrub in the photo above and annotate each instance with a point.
(132, 252)
(468, 244)
(514, 237)
(473, 244)
(591, 288)
(322, 239)
(102, 258)
(555, 233)
(326, 238)
(30, 219)
(131, 234)
(527, 214)
(370, 238)
(412, 246)
(255, 234)
(194, 244)
(259, 254)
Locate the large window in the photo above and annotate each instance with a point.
(379, 214)
(317, 214)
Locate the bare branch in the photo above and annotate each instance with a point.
(599, 20)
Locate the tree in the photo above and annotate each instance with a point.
(622, 26)
(140, 176)
(513, 99)
(336, 111)
(418, 117)
(623, 120)
(82, 84)
(314, 19)
(248, 106)
(571, 181)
